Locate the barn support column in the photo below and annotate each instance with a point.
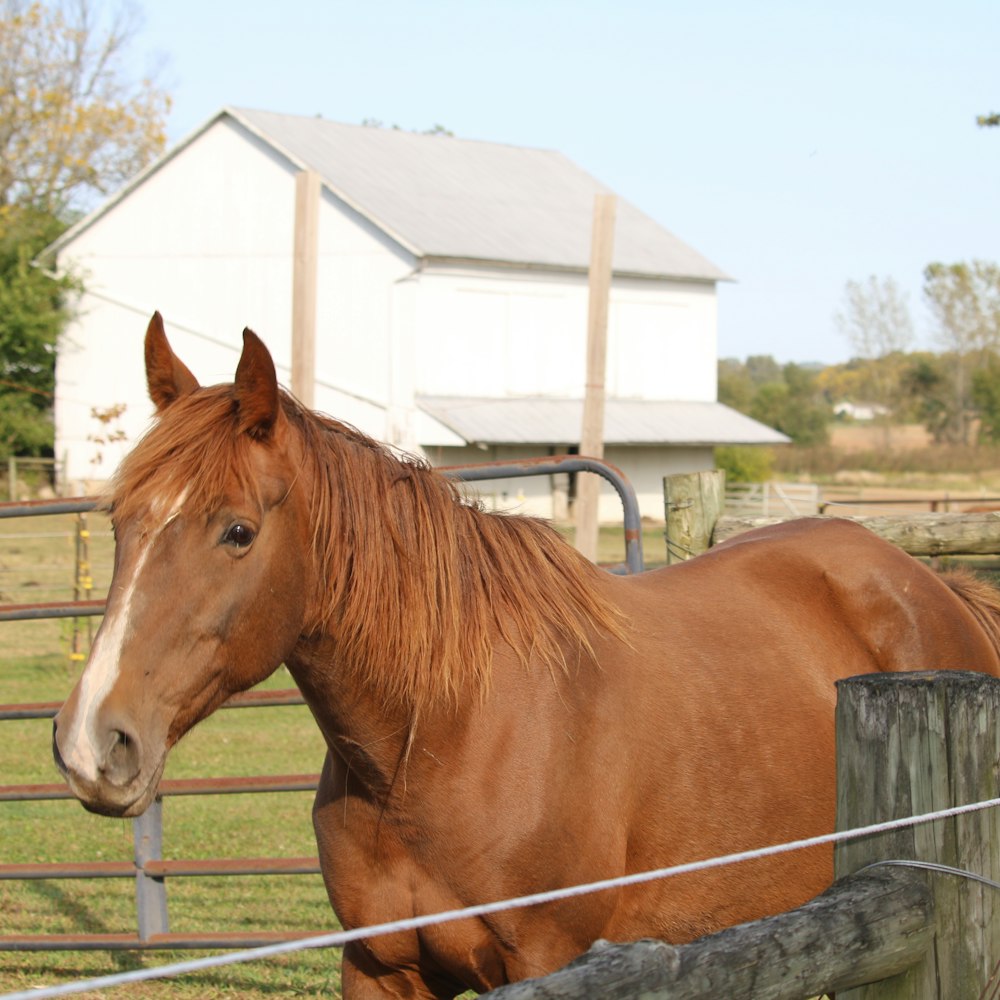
(592, 432)
(304, 266)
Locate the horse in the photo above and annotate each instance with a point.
(501, 716)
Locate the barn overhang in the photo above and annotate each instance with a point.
(549, 421)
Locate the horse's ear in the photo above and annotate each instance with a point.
(167, 377)
(256, 388)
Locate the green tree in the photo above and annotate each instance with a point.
(986, 396)
(736, 388)
(32, 311)
(794, 406)
(745, 463)
(926, 385)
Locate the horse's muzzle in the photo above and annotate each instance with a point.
(118, 788)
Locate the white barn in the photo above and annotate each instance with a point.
(451, 302)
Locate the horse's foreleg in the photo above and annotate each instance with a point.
(363, 977)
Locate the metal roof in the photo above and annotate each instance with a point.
(466, 200)
(541, 420)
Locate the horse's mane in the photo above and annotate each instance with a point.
(416, 584)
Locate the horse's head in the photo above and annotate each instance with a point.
(208, 593)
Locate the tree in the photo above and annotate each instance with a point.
(925, 383)
(72, 121)
(736, 388)
(876, 320)
(793, 406)
(73, 125)
(32, 309)
(986, 396)
(875, 317)
(964, 299)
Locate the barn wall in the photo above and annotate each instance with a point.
(496, 333)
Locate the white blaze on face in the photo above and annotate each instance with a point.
(80, 750)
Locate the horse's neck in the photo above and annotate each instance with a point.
(370, 738)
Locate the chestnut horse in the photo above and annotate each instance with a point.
(501, 717)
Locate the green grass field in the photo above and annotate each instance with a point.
(37, 563)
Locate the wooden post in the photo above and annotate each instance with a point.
(693, 502)
(304, 266)
(588, 486)
(914, 743)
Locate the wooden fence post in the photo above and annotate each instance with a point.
(915, 743)
(694, 501)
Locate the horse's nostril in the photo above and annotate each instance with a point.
(122, 757)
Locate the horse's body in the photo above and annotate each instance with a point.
(501, 717)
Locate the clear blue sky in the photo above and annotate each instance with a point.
(796, 144)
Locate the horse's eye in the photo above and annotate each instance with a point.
(239, 535)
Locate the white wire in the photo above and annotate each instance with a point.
(340, 938)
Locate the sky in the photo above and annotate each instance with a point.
(797, 145)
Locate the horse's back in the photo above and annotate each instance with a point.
(729, 701)
(831, 584)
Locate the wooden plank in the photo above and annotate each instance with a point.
(308, 189)
(588, 487)
(867, 927)
(919, 534)
(914, 743)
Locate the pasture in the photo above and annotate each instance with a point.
(37, 557)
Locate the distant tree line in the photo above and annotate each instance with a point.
(950, 392)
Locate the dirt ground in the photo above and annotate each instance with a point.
(859, 437)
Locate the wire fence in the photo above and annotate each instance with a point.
(341, 938)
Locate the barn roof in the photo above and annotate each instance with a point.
(538, 420)
(444, 197)
(449, 199)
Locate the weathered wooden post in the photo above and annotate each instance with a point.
(693, 502)
(909, 744)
